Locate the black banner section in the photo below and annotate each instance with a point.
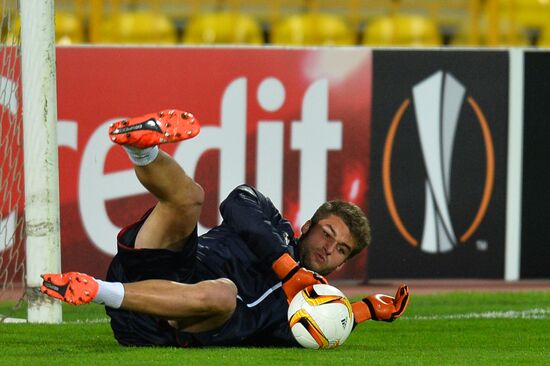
(535, 238)
(439, 151)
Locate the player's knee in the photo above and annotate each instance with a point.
(227, 295)
(229, 287)
(198, 195)
(193, 199)
(220, 296)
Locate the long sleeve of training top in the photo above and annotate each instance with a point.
(256, 220)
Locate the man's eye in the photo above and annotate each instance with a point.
(342, 250)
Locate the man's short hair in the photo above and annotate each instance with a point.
(354, 218)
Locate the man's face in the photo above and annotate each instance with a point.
(325, 246)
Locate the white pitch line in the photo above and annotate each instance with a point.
(82, 321)
(508, 314)
(13, 320)
(88, 321)
(536, 313)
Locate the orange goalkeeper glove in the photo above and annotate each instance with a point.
(381, 307)
(294, 277)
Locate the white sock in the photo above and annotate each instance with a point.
(142, 157)
(109, 294)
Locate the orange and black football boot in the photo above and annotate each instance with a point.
(72, 287)
(152, 129)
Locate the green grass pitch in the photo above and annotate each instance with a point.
(445, 329)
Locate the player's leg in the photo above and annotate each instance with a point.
(179, 204)
(198, 307)
(180, 198)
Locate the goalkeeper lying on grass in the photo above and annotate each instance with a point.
(167, 286)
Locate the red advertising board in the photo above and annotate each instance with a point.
(294, 123)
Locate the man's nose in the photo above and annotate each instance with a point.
(330, 245)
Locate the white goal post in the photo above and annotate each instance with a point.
(43, 252)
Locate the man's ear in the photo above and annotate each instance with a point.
(305, 227)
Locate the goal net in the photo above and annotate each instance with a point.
(12, 258)
(29, 199)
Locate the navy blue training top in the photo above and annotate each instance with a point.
(252, 235)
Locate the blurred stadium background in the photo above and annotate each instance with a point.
(488, 23)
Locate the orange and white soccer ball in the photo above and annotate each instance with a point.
(320, 316)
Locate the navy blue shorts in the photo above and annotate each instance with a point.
(132, 265)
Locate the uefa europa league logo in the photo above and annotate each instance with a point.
(438, 100)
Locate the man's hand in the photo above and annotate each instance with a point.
(381, 307)
(294, 277)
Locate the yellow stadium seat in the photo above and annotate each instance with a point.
(138, 28)
(531, 14)
(312, 29)
(514, 23)
(402, 30)
(68, 28)
(223, 28)
(463, 37)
